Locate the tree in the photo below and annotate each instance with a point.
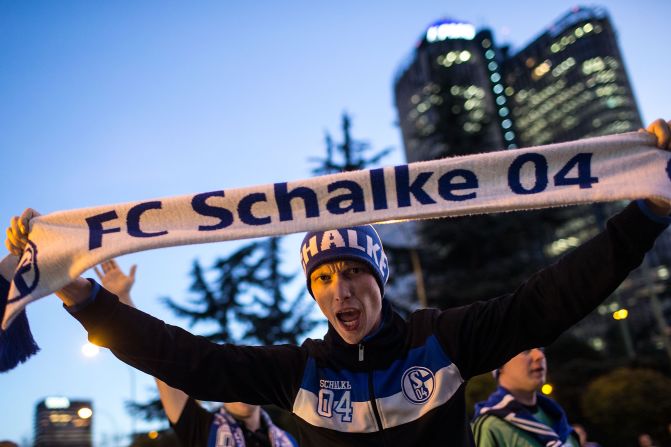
(245, 301)
(219, 302)
(348, 155)
(276, 319)
(627, 402)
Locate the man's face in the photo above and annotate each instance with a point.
(349, 297)
(240, 410)
(524, 372)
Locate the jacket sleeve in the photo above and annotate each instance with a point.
(482, 336)
(202, 369)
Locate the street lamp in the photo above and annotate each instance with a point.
(90, 350)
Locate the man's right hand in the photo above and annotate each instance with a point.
(78, 291)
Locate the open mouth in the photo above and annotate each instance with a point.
(349, 318)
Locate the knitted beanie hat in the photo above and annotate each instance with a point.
(360, 243)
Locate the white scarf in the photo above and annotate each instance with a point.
(618, 167)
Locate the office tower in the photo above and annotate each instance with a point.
(62, 422)
(460, 93)
(446, 96)
(571, 82)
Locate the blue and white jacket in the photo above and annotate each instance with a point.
(401, 386)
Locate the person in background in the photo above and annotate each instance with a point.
(516, 413)
(236, 424)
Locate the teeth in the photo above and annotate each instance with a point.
(348, 317)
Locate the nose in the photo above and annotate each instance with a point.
(537, 354)
(342, 287)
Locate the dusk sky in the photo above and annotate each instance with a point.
(109, 102)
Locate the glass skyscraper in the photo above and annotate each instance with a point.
(62, 422)
(460, 93)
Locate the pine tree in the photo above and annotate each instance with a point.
(245, 301)
(220, 301)
(348, 155)
(275, 319)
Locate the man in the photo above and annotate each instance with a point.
(375, 378)
(236, 424)
(516, 414)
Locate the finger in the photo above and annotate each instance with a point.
(98, 272)
(106, 266)
(131, 274)
(24, 220)
(13, 250)
(16, 231)
(13, 241)
(113, 265)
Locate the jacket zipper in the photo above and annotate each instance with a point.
(371, 394)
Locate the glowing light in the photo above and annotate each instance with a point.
(489, 54)
(492, 65)
(663, 272)
(56, 402)
(588, 28)
(498, 88)
(597, 343)
(90, 350)
(84, 412)
(465, 56)
(542, 69)
(621, 314)
(547, 389)
(152, 435)
(495, 77)
(60, 418)
(506, 124)
(443, 31)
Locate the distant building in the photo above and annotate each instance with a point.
(446, 96)
(460, 93)
(571, 82)
(62, 422)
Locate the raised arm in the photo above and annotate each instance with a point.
(116, 281)
(550, 301)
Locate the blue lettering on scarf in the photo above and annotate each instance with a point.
(96, 229)
(355, 197)
(404, 188)
(245, 209)
(447, 184)
(378, 188)
(134, 215)
(283, 198)
(199, 205)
